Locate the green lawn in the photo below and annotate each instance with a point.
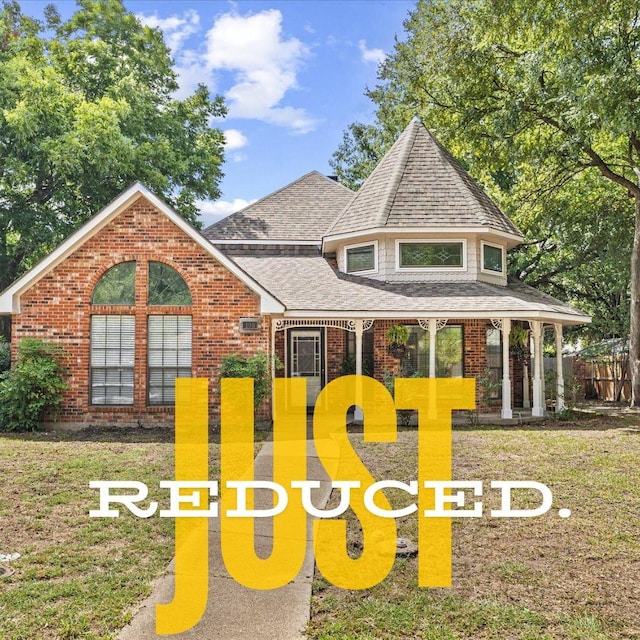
(536, 578)
(80, 577)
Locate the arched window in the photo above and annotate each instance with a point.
(113, 338)
(166, 286)
(117, 285)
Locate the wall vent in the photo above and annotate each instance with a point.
(249, 325)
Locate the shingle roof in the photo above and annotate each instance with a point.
(418, 184)
(311, 284)
(303, 210)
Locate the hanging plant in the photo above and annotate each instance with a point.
(519, 343)
(397, 338)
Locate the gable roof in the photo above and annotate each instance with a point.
(10, 297)
(419, 184)
(300, 211)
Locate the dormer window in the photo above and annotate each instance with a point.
(492, 258)
(430, 254)
(362, 258)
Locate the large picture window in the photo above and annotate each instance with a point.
(449, 352)
(112, 359)
(424, 255)
(169, 356)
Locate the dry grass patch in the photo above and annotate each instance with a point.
(536, 578)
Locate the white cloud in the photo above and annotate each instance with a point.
(211, 212)
(264, 65)
(190, 66)
(370, 55)
(176, 29)
(234, 139)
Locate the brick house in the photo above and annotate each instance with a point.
(313, 275)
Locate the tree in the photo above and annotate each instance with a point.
(86, 109)
(541, 101)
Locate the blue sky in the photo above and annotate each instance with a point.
(293, 74)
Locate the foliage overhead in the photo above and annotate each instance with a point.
(540, 102)
(87, 107)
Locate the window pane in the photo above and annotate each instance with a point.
(449, 353)
(361, 258)
(166, 286)
(169, 356)
(494, 360)
(431, 254)
(117, 285)
(492, 258)
(112, 359)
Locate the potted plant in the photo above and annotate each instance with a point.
(397, 338)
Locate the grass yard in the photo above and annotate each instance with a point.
(530, 579)
(80, 577)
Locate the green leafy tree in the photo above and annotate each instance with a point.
(87, 107)
(540, 100)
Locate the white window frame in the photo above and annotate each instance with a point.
(460, 269)
(369, 243)
(484, 244)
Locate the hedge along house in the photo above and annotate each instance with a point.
(312, 274)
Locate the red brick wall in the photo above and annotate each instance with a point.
(57, 308)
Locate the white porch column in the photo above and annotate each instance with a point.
(526, 400)
(506, 380)
(538, 400)
(433, 329)
(560, 373)
(359, 325)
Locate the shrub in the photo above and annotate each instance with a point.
(33, 388)
(257, 367)
(5, 355)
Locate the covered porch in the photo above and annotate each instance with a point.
(323, 348)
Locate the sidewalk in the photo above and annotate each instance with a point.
(235, 612)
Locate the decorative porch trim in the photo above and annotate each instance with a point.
(347, 325)
(441, 323)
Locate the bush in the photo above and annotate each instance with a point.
(5, 355)
(257, 367)
(33, 389)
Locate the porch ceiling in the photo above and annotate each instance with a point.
(310, 286)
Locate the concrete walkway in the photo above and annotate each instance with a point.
(235, 612)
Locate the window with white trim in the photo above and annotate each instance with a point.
(169, 349)
(428, 255)
(492, 258)
(361, 258)
(112, 359)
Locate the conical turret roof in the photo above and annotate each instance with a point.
(419, 184)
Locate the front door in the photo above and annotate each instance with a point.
(306, 359)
